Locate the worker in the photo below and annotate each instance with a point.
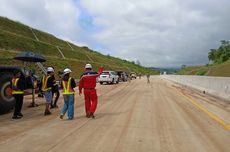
(88, 82)
(139, 75)
(68, 84)
(33, 81)
(17, 85)
(47, 84)
(148, 76)
(55, 91)
(129, 78)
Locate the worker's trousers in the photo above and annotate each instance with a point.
(18, 104)
(90, 100)
(68, 106)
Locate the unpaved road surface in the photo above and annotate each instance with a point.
(131, 117)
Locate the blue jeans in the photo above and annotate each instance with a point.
(68, 106)
(48, 96)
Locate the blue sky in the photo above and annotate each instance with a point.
(86, 22)
(159, 33)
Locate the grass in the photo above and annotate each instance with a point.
(189, 70)
(201, 72)
(15, 27)
(9, 41)
(222, 70)
(16, 37)
(48, 38)
(6, 58)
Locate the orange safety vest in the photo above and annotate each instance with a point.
(15, 90)
(44, 83)
(66, 87)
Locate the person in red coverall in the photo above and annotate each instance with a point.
(88, 82)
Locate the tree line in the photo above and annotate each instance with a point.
(220, 54)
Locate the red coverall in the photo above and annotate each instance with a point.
(88, 82)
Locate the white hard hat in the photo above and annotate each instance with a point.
(88, 66)
(66, 71)
(50, 69)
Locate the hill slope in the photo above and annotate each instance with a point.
(222, 69)
(16, 37)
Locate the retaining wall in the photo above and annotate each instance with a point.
(217, 86)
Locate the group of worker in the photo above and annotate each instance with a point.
(49, 87)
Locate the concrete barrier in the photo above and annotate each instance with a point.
(217, 86)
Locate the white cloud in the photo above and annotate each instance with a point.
(155, 32)
(58, 17)
(161, 32)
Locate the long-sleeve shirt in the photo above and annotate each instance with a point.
(88, 79)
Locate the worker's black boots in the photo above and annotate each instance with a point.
(47, 112)
(90, 115)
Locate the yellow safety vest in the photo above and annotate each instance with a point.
(14, 83)
(44, 83)
(67, 90)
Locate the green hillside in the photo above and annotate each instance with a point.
(220, 58)
(16, 37)
(222, 70)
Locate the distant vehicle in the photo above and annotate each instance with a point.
(123, 76)
(109, 77)
(133, 75)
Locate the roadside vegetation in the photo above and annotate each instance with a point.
(220, 63)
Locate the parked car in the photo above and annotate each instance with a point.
(133, 75)
(109, 77)
(123, 76)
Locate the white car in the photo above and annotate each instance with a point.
(108, 77)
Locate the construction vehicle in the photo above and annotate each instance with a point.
(31, 80)
(6, 73)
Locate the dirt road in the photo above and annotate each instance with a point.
(131, 117)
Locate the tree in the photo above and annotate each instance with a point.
(183, 66)
(221, 54)
(225, 51)
(211, 55)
